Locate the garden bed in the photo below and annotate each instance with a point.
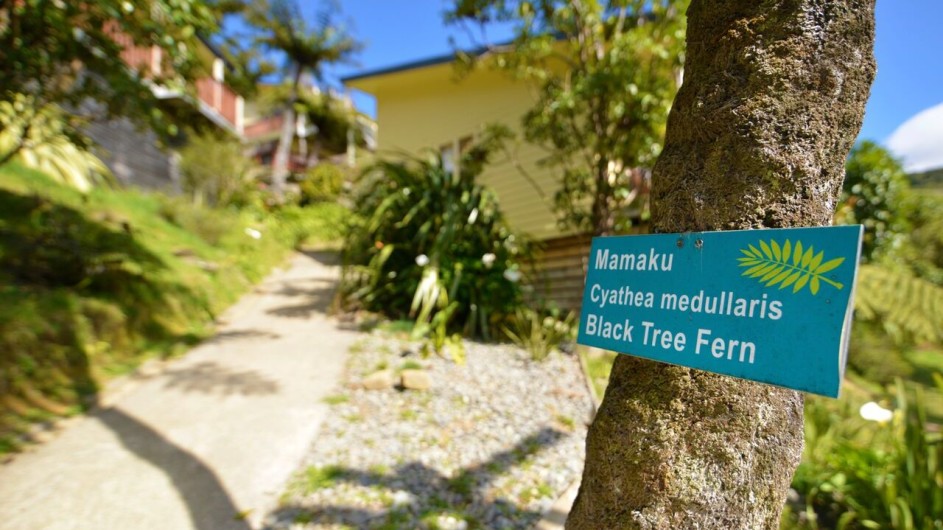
(490, 444)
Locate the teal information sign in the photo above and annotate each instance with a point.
(767, 305)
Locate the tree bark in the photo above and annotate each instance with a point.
(280, 167)
(772, 101)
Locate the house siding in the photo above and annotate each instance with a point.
(426, 109)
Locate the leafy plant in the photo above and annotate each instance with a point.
(908, 307)
(859, 474)
(322, 183)
(431, 243)
(70, 54)
(538, 333)
(41, 141)
(604, 75)
(773, 266)
(873, 195)
(215, 170)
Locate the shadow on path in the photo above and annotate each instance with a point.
(324, 257)
(316, 300)
(207, 501)
(432, 493)
(211, 378)
(240, 334)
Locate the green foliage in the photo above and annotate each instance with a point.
(787, 265)
(538, 333)
(329, 119)
(605, 74)
(859, 474)
(928, 180)
(48, 49)
(323, 224)
(322, 183)
(876, 355)
(316, 478)
(923, 246)
(908, 307)
(432, 244)
(598, 365)
(215, 170)
(210, 225)
(40, 140)
(872, 195)
(278, 29)
(94, 283)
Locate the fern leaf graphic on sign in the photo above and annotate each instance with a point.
(787, 265)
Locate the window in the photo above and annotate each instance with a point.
(452, 152)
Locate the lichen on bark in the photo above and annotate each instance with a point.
(772, 101)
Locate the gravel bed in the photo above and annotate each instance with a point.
(491, 444)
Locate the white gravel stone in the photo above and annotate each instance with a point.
(491, 444)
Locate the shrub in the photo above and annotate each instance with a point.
(859, 474)
(431, 243)
(322, 183)
(297, 226)
(540, 333)
(47, 144)
(216, 171)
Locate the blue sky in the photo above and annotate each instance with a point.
(909, 50)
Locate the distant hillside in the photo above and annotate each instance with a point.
(932, 179)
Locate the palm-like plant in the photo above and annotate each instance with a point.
(281, 28)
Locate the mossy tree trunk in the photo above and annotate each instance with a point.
(772, 100)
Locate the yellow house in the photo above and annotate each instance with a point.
(425, 105)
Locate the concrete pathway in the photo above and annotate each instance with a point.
(204, 442)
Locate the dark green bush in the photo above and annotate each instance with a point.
(432, 244)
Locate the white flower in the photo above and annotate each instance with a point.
(253, 233)
(488, 259)
(871, 411)
(473, 216)
(512, 275)
(422, 260)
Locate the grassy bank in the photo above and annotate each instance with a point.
(92, 285)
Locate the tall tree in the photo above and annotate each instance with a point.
(279, 27)
(772, 100)
(581, 54)
(69, 53)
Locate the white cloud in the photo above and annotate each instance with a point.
(918, 142)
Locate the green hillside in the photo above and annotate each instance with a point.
(94, 284)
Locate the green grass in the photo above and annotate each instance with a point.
(318, 478)
(409, 365)
(336, 399)
(92, 285)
